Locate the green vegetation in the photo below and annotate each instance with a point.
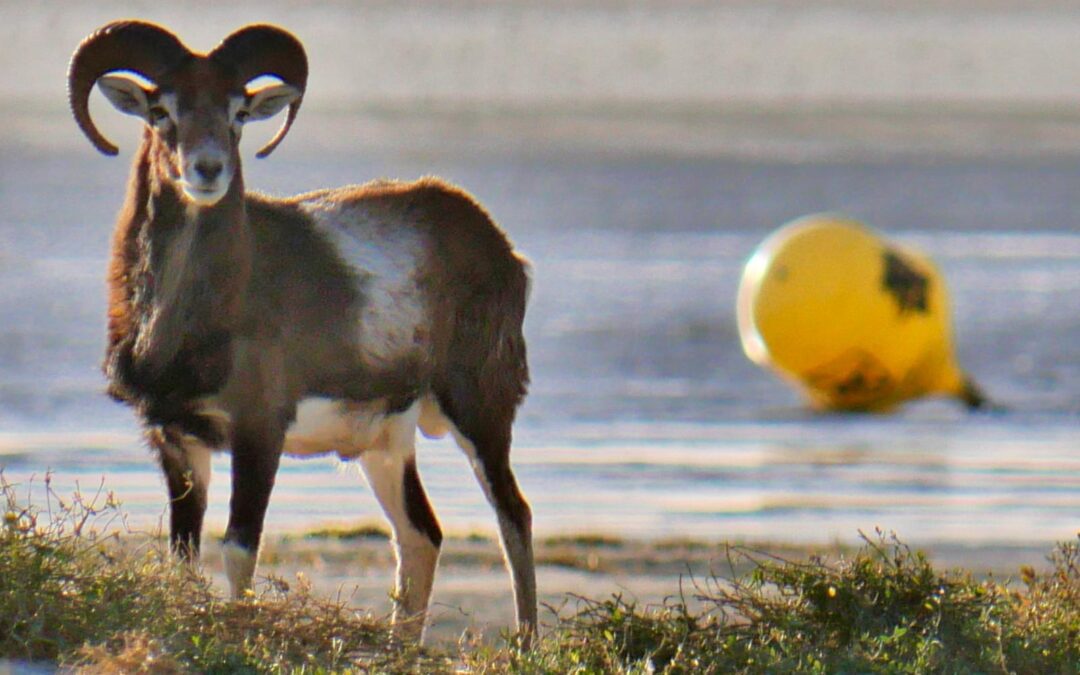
(69, 596)
(73, 597)
(590, 540)
(883, 610)
(365, 531)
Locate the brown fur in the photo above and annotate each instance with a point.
(289, 286)
(248, 304)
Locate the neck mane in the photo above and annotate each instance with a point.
(177, 279)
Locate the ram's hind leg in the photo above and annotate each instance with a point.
(479, 390)
(482, 429)
(186, 464)
(489, 453)
(391, 472)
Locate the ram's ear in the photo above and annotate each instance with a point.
(269, 101)
(126, 95)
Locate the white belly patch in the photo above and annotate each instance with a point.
(325, 425)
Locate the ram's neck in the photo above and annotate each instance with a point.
(178, 274)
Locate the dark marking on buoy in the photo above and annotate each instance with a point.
(906, 284)
(855, 380)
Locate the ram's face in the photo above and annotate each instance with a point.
(194, 104)
(198, 114)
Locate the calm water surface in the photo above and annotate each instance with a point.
(644, 417)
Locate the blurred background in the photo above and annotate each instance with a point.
(637, 152)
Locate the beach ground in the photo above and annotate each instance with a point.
(472, 597)
(554, 86)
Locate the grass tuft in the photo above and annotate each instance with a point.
(884, 609)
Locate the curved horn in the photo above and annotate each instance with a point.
(267, 50)
(137, 46)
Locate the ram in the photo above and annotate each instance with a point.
(340, 320)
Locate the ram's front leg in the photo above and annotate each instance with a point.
(255, 459)
(186, 464)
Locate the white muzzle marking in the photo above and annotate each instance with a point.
(207, 173)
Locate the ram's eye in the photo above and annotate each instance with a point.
(157, 114)
(242, 116)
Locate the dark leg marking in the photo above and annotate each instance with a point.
(254, 468)
(417, 506)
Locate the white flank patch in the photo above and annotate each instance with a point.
(386, 256)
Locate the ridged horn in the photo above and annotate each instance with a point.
(267, 50)
(137, 46)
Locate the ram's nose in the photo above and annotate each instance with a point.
(209, 169)
(206, 176)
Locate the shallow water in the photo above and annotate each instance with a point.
(644, 418)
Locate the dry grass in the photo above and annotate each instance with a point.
(75, 598)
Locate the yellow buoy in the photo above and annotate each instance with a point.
(856, 322)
